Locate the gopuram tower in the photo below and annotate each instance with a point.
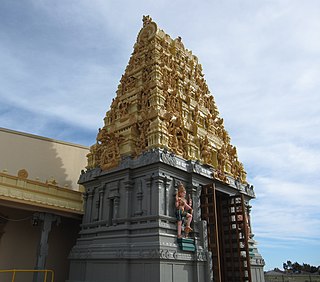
(162, 133)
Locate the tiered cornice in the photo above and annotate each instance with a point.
(163, 101)
(41, 196)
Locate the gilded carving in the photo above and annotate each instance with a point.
(110, 151)
(178, 141)
(163, 101)
(23, 174)
(173, 103)
(146, 20)
(222, 158)
(142, 140)
(123, 109)
(218, 174)
(205, 150)
(52, 181)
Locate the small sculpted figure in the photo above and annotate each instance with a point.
(184, 211)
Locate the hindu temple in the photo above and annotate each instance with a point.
(162, 132)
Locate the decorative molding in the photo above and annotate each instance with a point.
(23, 174)
(107, 252)
(21, 190)
(162, 155)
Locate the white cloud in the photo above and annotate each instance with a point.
(308, 79)
(286, 210)
(69, 99)
(283, 159)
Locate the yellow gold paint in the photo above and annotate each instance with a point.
(163, 101)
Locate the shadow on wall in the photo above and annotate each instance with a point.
(44, 159)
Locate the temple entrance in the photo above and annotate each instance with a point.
(228, 231)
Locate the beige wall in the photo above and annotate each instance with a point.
(20, 240)
(43, 158)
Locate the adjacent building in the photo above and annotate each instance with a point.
(40, 203)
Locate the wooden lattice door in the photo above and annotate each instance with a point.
(228, 230)
(209, 213)
(235, 239)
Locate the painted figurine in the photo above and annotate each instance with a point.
(184, 211)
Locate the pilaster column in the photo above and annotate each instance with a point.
(95, 212)
(85, 206)
(167, 201)
(116, 203)
(149, 189)
(109, 211)
(3, 222)
(43, 248)
(195, 190)
(139, 210)
(89, 205)
(101, 196)
(158, 201)
(128, 185)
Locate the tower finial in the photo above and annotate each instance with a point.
(146, 20)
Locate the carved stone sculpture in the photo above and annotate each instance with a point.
(164, 84)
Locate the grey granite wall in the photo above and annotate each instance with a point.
(129, 227)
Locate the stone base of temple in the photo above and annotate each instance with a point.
(144, 250)
(139, 263)
(138, 271)
(129, 230)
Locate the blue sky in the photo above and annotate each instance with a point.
(61, 62)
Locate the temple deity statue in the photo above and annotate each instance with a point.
(183, 211)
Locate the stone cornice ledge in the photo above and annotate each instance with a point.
(55, 199)
(163, 156)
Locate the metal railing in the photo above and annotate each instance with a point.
(45, 271)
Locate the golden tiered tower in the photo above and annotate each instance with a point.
(163, 101)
